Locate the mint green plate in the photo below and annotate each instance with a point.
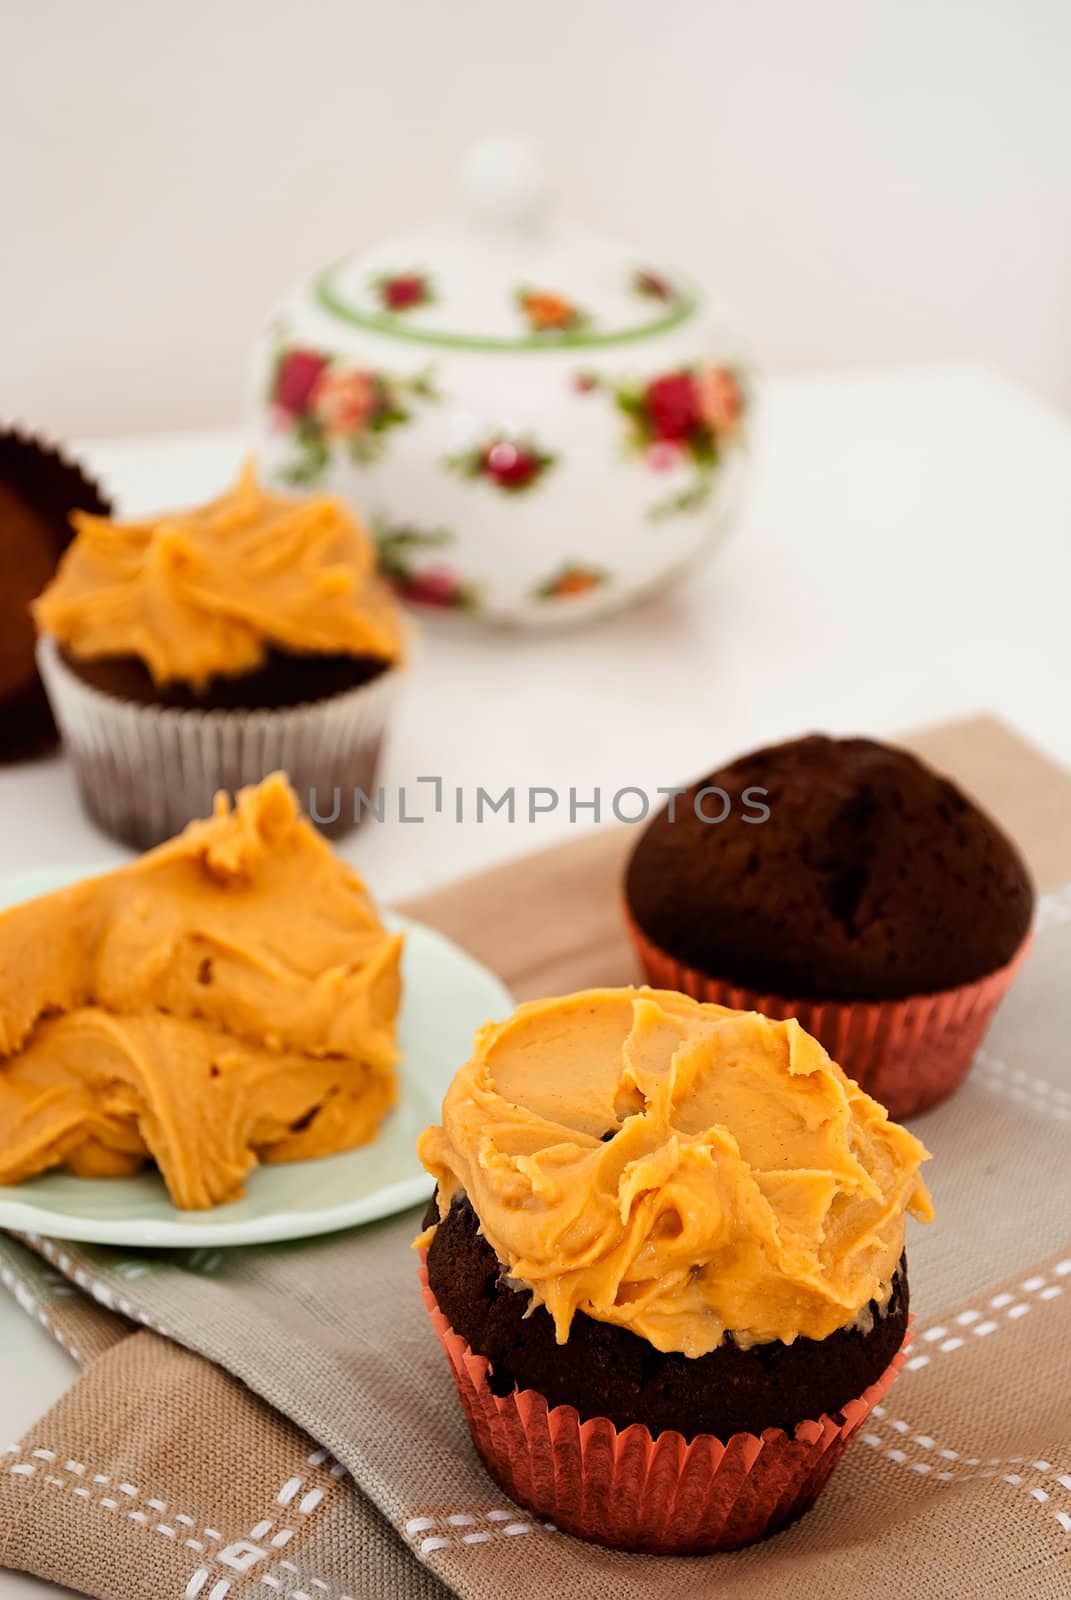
(447, 995)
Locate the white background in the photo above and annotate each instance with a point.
(866, 180)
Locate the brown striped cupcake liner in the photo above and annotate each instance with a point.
(145, 771)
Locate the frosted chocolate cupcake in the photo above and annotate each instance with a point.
(875, 902)
(668, 1246)
(39, 489)
(204, 649)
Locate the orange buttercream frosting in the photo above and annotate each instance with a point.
(679, 1169)
(229, 998)
(206, 592)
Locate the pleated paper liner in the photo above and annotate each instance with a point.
(39, 488)
(665, 1495)
(907, 1054)
(144, 772)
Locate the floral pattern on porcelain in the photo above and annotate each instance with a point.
(547, 311)
(512, 465)
(404, 291)
(400, 548)
(688, 418)
(652, 285)
(571, 581)
(324, 404)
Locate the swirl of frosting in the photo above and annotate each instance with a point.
(227, 999)
(679, 1169)
(207, 592)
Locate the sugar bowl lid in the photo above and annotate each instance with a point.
(508, 276)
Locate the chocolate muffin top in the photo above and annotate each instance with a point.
(873, 876)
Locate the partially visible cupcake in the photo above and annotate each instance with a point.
(666, 1263)
(848, 885)
(203, 649)
(39, 488)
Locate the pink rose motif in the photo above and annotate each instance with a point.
(295, 378)
(672, 406)
(343, 400)
(664, 454)
(512, 466)
(436, 586)
(719, 399)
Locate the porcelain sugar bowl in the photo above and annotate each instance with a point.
(536, 423)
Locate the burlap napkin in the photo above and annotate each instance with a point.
(280, 1421)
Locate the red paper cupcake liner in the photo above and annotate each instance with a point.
(907, 1054)
(666, 1495)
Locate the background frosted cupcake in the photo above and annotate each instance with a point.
(848, 885)
(39, 488)
(204, 649)
(666, 1263)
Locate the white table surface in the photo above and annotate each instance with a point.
(905, 557)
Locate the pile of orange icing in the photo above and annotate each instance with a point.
(229, 998)
(679, 1169)
(203, 593)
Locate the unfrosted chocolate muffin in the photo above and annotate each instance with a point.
(872, 878)
(606, 1371)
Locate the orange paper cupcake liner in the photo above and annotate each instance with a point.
(666, 1495)
(907, 1054)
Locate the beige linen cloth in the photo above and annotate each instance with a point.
(280, 1422)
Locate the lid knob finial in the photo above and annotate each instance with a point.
(503, 181)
